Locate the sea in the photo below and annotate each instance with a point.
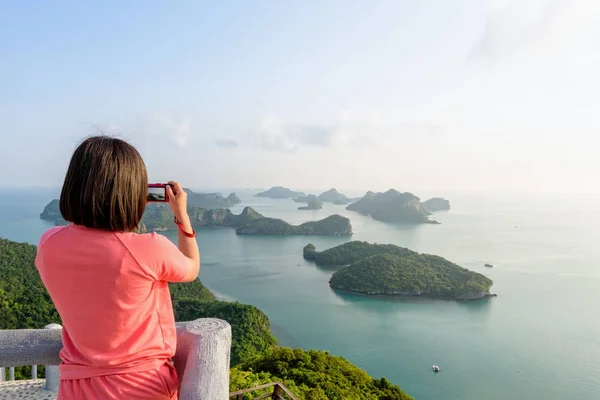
(538, 339)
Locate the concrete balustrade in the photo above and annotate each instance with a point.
(202, 359)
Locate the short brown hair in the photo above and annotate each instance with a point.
(106, 185)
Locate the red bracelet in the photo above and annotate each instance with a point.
(190, 235)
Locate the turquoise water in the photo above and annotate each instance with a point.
(539, 339)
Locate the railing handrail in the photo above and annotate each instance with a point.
(274, 385)
(202, 359)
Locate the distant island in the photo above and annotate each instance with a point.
(158, 217)
(333, 196)
(211, 200)
(312, 202)
(52, 213)
(199, 200)
(334, 225)
(279, 192)
(392, 206)
(436, 204)
(390, 270)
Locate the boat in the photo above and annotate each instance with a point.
(436, 368)
(488, 265)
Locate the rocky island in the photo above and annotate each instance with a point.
(334, 225)
(196, 202)
(52, 213)
(436, 204)
(392, 206)
(279, 192)
(158, 217)
(211, 200)
(333, 196)
(312, 202)
(390, 270)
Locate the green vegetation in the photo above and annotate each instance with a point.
(392, 206)
(250, 327)
(158, 217)
(333, 225)
(309, 252)
(387, 269)
(413, 275)
(190, 290)
(24, 301)
(312, 375)
(347, 253)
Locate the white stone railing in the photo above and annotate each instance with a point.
(202, 359)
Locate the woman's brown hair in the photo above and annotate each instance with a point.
(106, 185)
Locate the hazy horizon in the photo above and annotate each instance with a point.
(494, 96)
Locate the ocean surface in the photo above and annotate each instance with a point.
(539, 339)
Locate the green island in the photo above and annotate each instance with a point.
(392, 206)
(280, 192)
(333, 196)
(158, 217)
(255, 356)
(334, 225)
(312, 202)
(390, 270)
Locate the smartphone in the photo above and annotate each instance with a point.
(157, 192)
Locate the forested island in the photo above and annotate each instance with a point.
(334, 225)
(333, 196)
(280, 192)
(436, 204)
(200, 200)
(392, 206)
(255, 357)
(312, 202)
(158, 217)
(386, 269)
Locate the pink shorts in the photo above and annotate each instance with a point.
(156, 384)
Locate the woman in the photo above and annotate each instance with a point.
(108, 283)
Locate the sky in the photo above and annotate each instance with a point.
(430, 95)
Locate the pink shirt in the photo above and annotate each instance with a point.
(110, 289)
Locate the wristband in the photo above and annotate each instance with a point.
(190, 235)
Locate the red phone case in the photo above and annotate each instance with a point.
(160, 185)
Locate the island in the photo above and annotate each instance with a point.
(334, 225)
(196, 201)
(312, 202)
(279, 192)
(52, 213)
(333, 196)
(436, 204)
(158, 217)
(392, 206)
(211, 200)
(390, 270)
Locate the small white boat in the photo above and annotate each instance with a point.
(436, 368)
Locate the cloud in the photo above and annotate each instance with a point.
(179, 131)
(226, 143)
(176, 130)
(512, 24)
(273, 135)
(349, 129)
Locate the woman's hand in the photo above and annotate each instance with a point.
(177, 200)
